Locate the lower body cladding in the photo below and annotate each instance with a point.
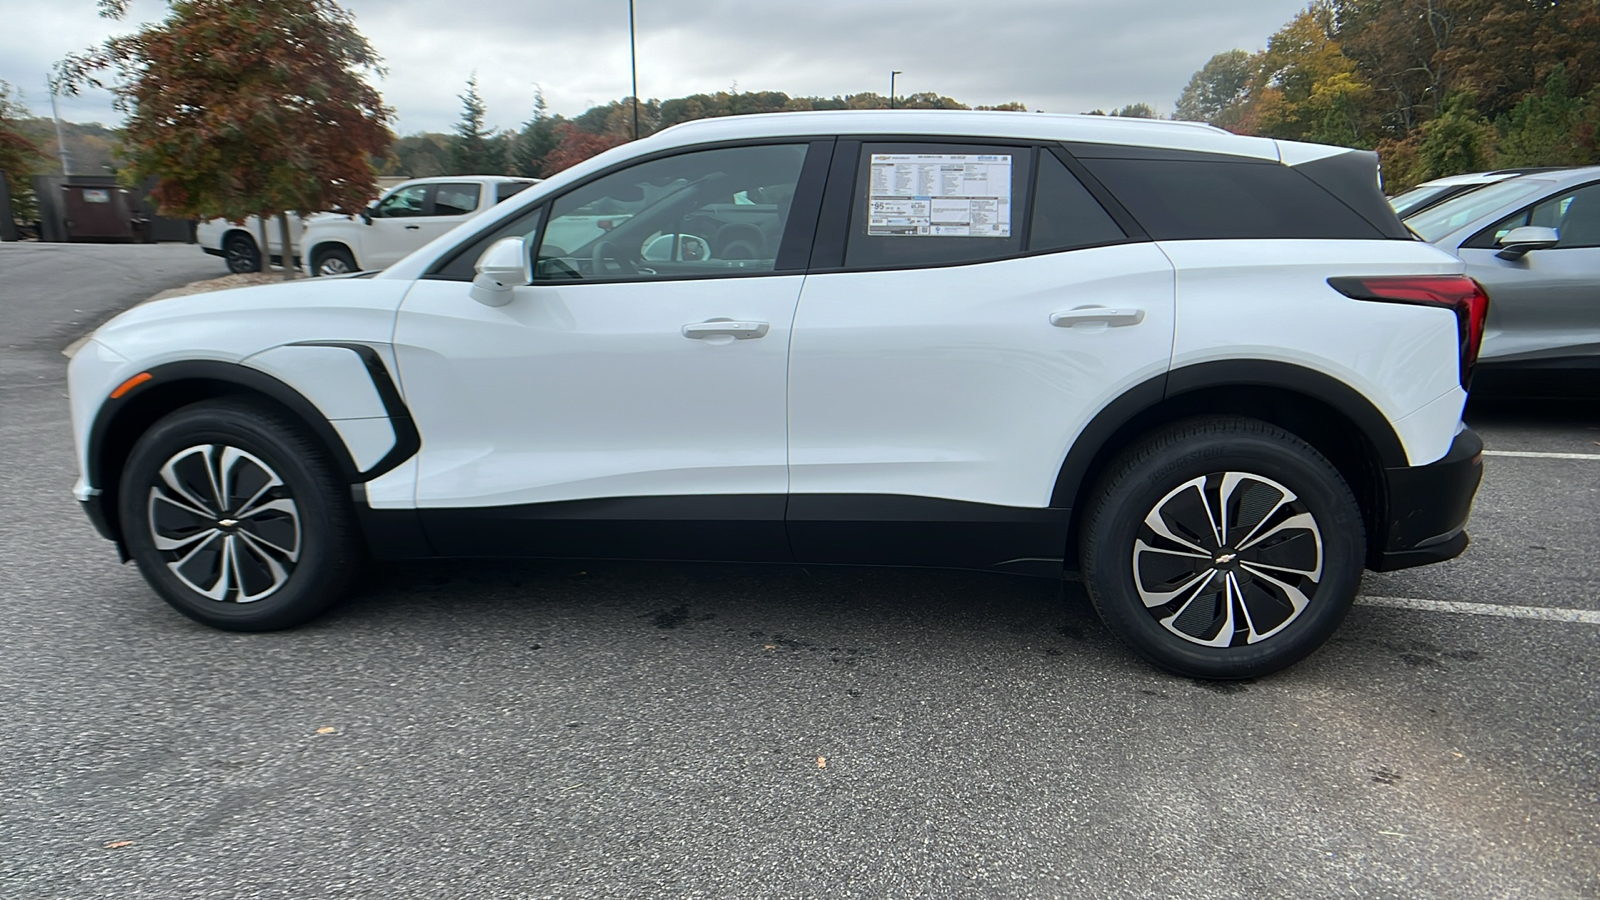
(1425, 513)
(848, 529)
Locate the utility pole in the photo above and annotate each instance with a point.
(633, 63)
(61, 141)
(891, 86)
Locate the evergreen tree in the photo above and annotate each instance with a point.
(472, 150)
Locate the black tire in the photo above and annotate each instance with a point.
(332, 261)
(241, 253)
(1290, 573)
(285, 516)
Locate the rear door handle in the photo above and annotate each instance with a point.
(743, 331)
(1086, 314)
(413, 227)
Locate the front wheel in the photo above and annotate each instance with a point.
(1222, 548)
(237, 518)
(333, 261)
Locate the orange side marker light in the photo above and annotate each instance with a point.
(130, 384)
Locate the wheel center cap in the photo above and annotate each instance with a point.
(1225, 558)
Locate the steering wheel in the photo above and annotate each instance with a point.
(606, 259)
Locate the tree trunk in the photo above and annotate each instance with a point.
(266, 248)
(288, 247)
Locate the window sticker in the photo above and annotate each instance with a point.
(940, 195)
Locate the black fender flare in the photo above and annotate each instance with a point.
(216, 372)
(1119, 413)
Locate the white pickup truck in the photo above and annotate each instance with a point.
(405, 218)
(239, 245)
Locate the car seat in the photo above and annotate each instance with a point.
(739, 240)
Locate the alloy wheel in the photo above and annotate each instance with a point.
(225, 523)
(1228, 559)
(333, 265)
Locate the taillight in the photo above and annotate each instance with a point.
(1454, 292)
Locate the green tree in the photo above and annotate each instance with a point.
(241, 109)
(472, 149)
(20, 158)
(1136, 111)
(1454, 142)
(1217, 93)
(1549, 128)
(537, 139)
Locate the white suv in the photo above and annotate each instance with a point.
(1213, 374)
(405, 218)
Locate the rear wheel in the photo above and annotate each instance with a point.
(241, 254)
(1222, 548)
(236, 517)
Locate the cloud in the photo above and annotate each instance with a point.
(1055, 55)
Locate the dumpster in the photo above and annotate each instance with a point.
(97, 213)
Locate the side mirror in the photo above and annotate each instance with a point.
(500, 269)
(676, 248)
(368, 213)
(1519, 242)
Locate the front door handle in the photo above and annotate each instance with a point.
(1097, 314)
(743, 331)
(413, 227)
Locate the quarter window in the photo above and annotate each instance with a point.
(699, 214)
(922, 204)
(1179, 200)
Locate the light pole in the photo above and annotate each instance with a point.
(61, 142)
(633, 63)
(892, 74)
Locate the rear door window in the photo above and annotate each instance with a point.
(921, 204)
(456, 199)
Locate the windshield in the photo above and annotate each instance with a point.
(1435, 222)
(1418, 197)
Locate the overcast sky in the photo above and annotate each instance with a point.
(1054, 55)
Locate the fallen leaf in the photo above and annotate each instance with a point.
(118, 845)
(326, 729)
(769, 646)
(822, 762)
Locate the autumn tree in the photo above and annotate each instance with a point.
(1217, 93)
(244, 108)
(575, 146)
(20, 157)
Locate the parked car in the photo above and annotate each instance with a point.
(1213, 374)
(1432, 193)
(239, 244)
(1533, 242)
(405, 218)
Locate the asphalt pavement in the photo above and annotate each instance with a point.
(473, 729)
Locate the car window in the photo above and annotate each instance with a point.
(1575, 216)
(1184, 199)
(1435, 222)
(460, 265)
(1065, 215)
(506, 189)
(455, 199)
(919, 204)
(404, 203)
(697, 214)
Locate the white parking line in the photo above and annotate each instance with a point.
(1543, 613)
(1530, 454)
